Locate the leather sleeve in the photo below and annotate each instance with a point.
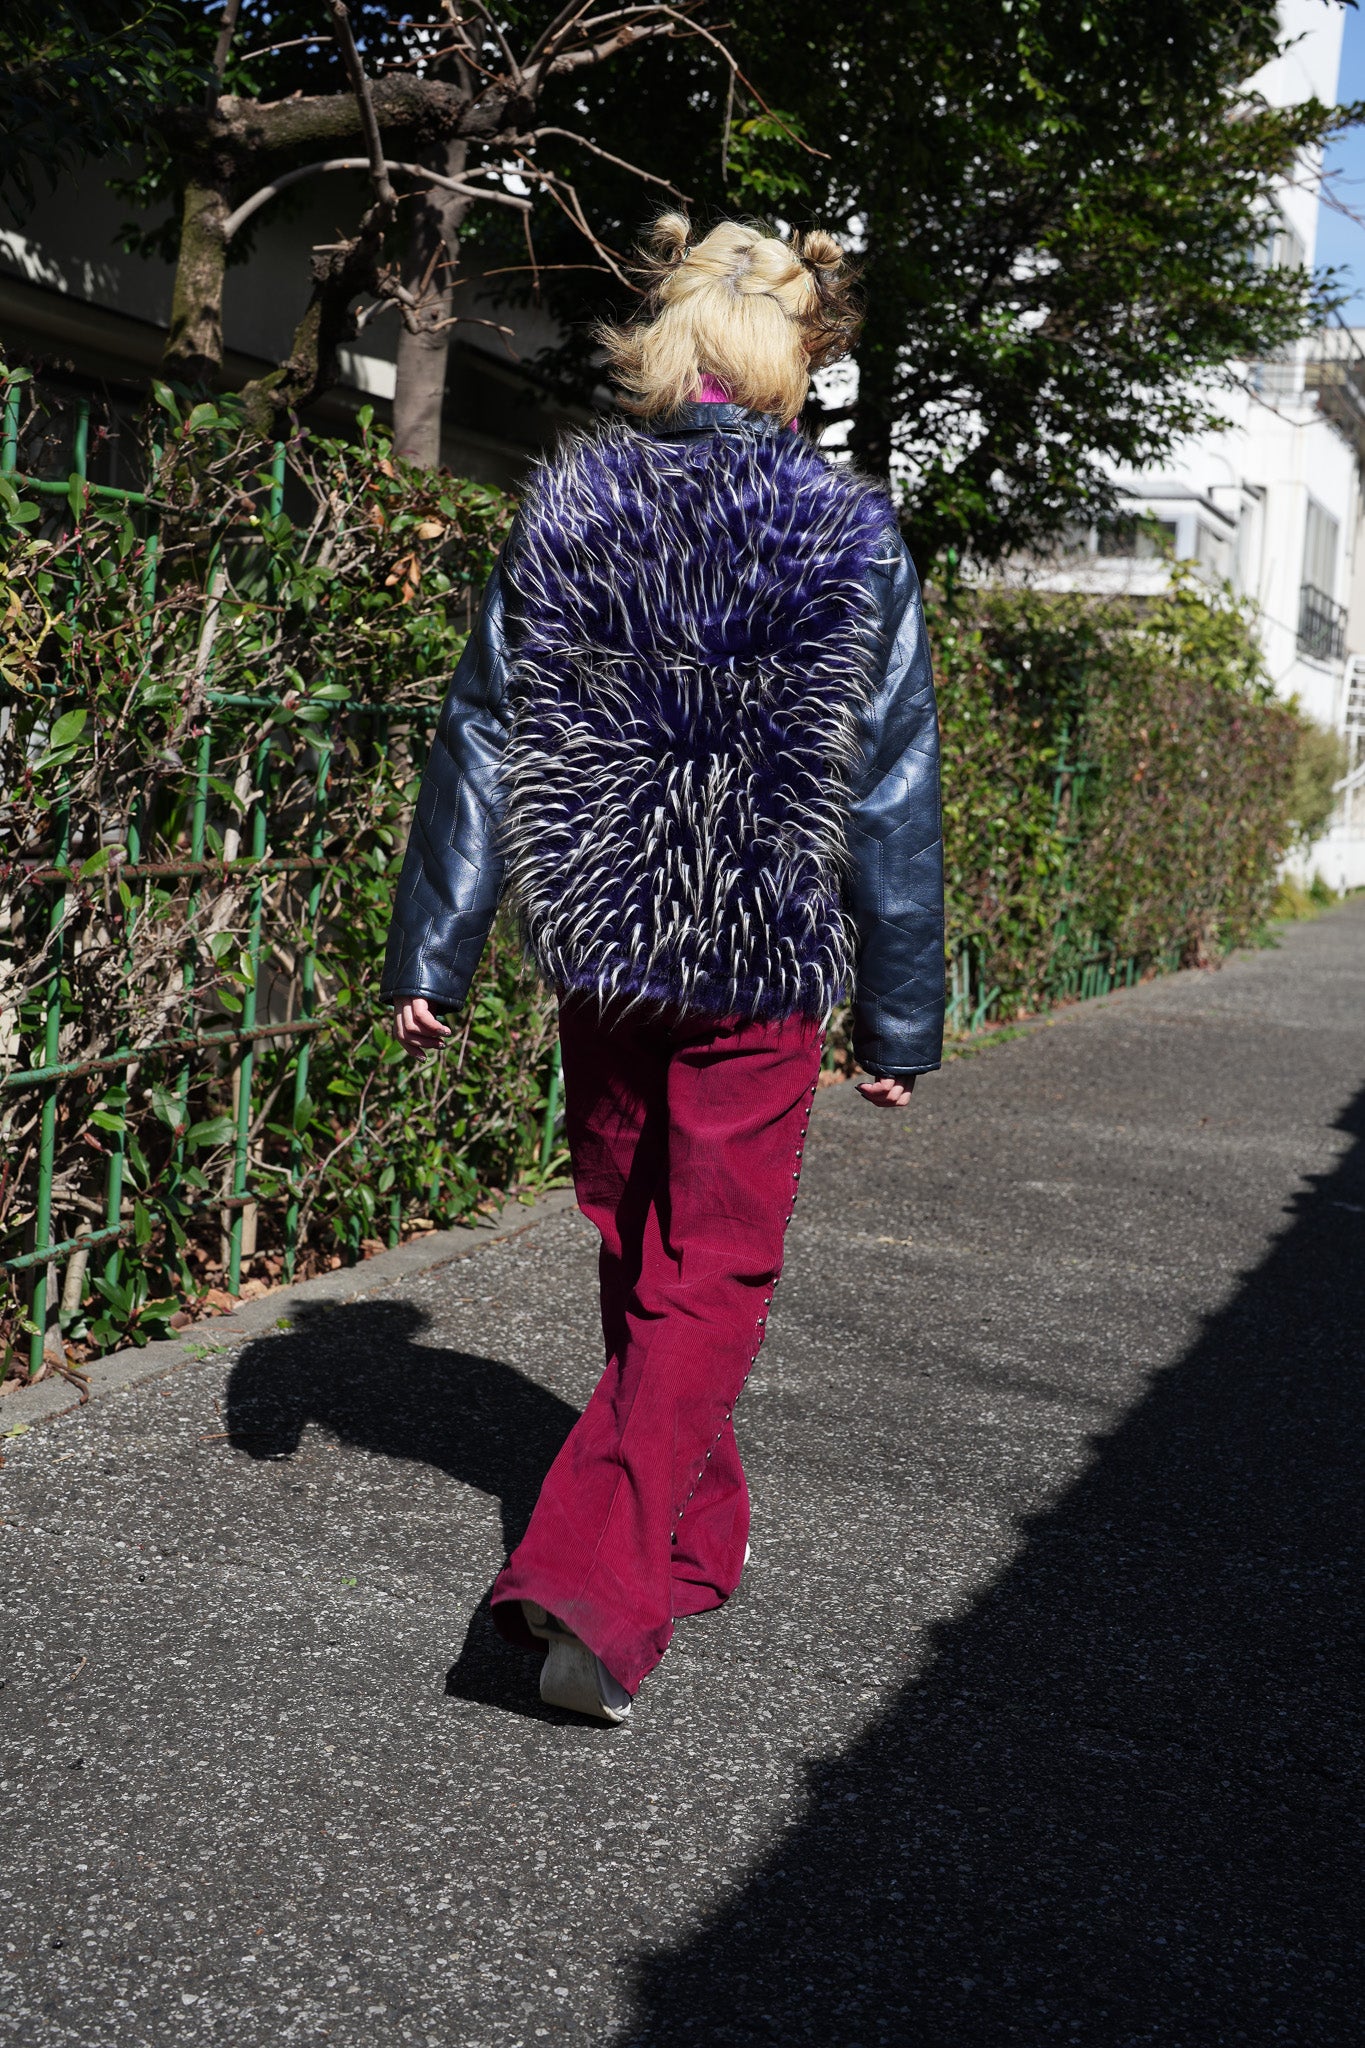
(895, 885)
(452, 872)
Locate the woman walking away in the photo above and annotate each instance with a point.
(694, 732)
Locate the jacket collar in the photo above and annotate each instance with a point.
(694, 420)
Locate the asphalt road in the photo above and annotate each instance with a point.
(1038, 1717)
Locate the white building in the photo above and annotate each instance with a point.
(1272, 503)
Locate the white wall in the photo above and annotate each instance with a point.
(1238, 496)
(67, 257)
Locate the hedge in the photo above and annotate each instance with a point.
(1118, 783)
(296, 619)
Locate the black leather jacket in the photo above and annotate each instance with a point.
(453, 871)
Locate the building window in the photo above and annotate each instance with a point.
(1283, 247)
(1320, 537)
(1322, 621)
(1136, 536)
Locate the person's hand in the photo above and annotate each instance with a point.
(419, 1028)
(886, 1093)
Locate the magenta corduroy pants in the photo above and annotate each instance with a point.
(686, 1135)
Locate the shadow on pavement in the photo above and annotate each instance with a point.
(360, 1372)
(1123, 1803)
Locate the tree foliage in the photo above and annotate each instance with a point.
(1063, 212)
(1063, 209)
(84, 78)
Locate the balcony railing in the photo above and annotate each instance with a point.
(1322, 625)
(1335, 373)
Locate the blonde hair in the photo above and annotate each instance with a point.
(756, 313)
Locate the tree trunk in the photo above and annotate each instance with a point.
(424, 347)
(340, 275)
(194, 346)
(876, 356)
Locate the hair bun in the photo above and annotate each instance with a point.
(818, 251)
(669, 236)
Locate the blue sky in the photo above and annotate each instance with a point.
(1341, 242)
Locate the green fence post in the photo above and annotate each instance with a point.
(246, 1061)
(80, 455)
(547, 1137)
(9, 450)
(198, 821)
(52, 1022)
(118, 1142)
(307, 978)
(47, 1128)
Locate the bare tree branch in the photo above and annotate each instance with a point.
(658, 18)
(567, 200)
(531, 252)
(360, 85)
(227, 29)
(294, 43)
(477, 320)
(362, 163)
(624, 38)
(513, 68)
(725, 131)
(649, 177)
(520, 269)
(552, 31)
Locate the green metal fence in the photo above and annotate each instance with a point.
(227, 721)
(1080, 968)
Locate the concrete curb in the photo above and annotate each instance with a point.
(220, 1333)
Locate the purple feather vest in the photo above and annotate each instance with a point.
(692, 637)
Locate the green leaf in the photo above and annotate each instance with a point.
(106, 1120)
(68, 727)
(215, 1130)
(166, 1105)
(305, 1109)
(96, 864)
(142, 1224)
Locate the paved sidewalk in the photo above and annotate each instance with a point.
(1038, 1718)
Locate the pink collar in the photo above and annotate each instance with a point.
(713, 392)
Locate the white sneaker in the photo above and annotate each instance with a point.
(571, 1675)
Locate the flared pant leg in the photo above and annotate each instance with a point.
(686, 1136)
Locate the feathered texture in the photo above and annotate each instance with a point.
(692, 635)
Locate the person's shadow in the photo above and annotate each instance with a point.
(360, 1372)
